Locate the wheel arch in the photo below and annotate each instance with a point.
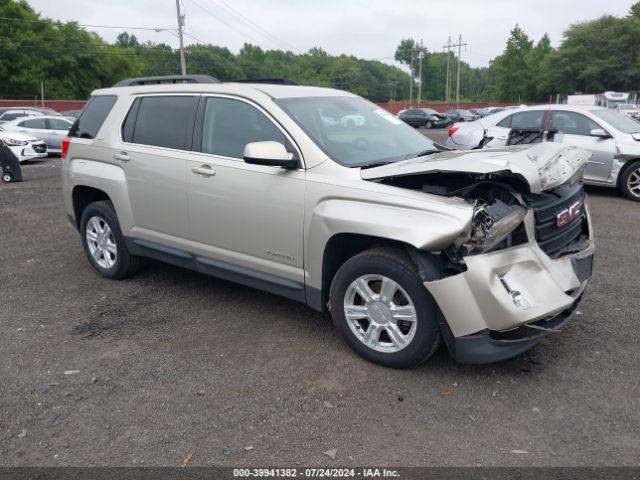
(625, 166)
(82, 196)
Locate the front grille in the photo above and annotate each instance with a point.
(555, 240)
(39, 148)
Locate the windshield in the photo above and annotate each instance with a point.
(618, 121)
(355, 132)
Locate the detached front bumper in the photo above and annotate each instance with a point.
(508, 300)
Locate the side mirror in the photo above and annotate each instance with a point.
(272, 154)
(599, 132)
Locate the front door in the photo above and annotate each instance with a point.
(246, 215)
(572, 128)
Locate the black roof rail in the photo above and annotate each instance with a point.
(129, 82)
(272, 81)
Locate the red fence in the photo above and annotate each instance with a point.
(439, 107)
(58, 105)
(62, 105)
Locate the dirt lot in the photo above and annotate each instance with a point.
(147, 370)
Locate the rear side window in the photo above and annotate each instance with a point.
(38, 123)
(14, 115)
(59, 124)
(165, 121)
(92, 117)
(531, 119)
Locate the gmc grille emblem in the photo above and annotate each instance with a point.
(567, 215)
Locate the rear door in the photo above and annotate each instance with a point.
(528, 119)
(156, 135)
(573, 128)
(57, 129)
(247, 215)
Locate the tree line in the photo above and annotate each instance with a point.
(70, 62)
(594, 56)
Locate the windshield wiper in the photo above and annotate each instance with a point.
(371, 164)
(423, 153)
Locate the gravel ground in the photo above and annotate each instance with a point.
(170, 362)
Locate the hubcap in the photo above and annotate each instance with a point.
(633, 182)
(380, 313)
(101, 242)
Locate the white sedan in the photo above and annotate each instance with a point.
(24, 146)
(48, 128)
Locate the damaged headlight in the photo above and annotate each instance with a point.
(492, 224)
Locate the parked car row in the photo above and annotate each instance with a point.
(33, 133)
(612, 138)
(430, 118)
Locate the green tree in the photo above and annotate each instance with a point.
(512, 68)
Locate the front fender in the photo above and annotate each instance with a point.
(423, 229)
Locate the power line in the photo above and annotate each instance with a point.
(24, 20)
(254, 26)
(233, 27)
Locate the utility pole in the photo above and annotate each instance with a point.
(459, 45)
(447, 87)
(420, 55)
(183, 62)
(42, 93)
(411, 79)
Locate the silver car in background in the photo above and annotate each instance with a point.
(612, 138)
(51, 129)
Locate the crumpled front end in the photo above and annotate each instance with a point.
(506, 300)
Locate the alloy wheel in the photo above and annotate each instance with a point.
(380, 313)
(633, 182)
(101, 242)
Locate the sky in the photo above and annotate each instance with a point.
(369, 29)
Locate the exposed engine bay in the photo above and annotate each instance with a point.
(501, 204)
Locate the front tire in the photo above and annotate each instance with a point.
(6, 177)
(382, 310)
(429, 125)
(630, 182)
(104, 243)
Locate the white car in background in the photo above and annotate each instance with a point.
(628, 109)
(612, 138)
(24, 146)
(8, 114)
(50, 129)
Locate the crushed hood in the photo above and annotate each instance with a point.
(542, 165)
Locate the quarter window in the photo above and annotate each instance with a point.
(505, 122)
(93, 116)
(229, 125)
(572, 123)
(165, 121)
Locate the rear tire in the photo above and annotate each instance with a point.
(104, 243)
(7, 177)
(396, 329)
(630, 182)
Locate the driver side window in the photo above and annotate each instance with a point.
(230, 124)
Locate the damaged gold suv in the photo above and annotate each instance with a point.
(322, 197)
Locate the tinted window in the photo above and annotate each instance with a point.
(59, 124)
(572, 123)
(39, 123)
(93, 116)
(165, 121)
(14, 115)
(505, 122)
(230, 124)
(129, 122)
(530, 119)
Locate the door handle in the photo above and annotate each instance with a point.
(122, 156)
(205, 170)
